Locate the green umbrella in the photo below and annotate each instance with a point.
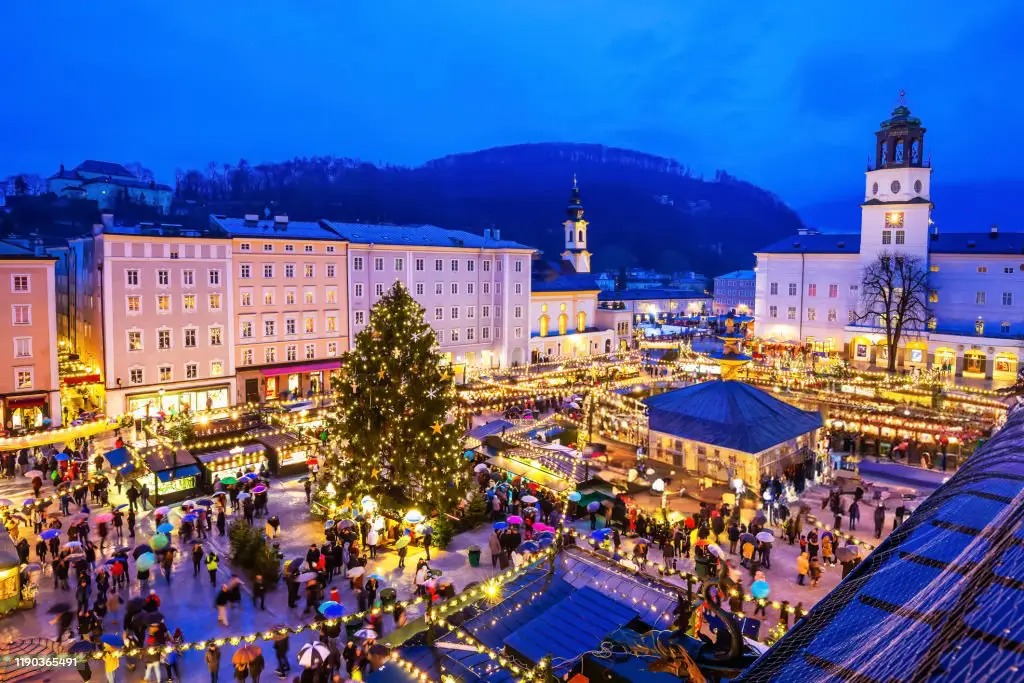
(402, 542)
(160, 541)
(228, 481)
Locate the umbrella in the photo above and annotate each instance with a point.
(356, 572)
(49, 533)
(112, 639)
(228, 481)
(765, 536)
(515, 519)
(643, 541)
(79, 518)
(544, 534)
(248, 476)
(123, 550)
(575, 496)
(190, 518)
(746, 537)
(141, 550)
(331, 609)
(244, 495)
(497, 476)
(152, 617)
(163, 510)
(759, 589)
(71, 544)
(480, 468)
(847, 553)
(32, 474)
(716, 550)
(75, 556)
(593, 506)
(165, 528)
(245, 654)
(545, 541)
(313, 655)
(62, 457)
(346, 524)
(413, 517)
(294, 566)
(365, 633)
(376, 577)
(82, 647)
(160, 541)
(529, 499)
(104, 517)
(31, 567)
(5, 502)
(500, 526)
(307, 576)
(58, 608)
(29, 501)
(402, 542)
(528, 547)
(329, 524)
(205, 502)
(122, 506)
(259, 488)
(145, 561)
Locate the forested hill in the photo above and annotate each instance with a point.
(643, 209)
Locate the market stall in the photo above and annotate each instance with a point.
(240, 459)
(521, 468)
(288, 453)
(173, 475)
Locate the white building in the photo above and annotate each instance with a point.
(808, 286)
(109, 184)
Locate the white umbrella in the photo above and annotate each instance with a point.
(480, 468)
(658, 486)
(313, 655)
(529, 499)
(244, 495)
(162, 511)
(366, 633)
(356, 572)
(573, 404)
(765, 536)
(716, 550)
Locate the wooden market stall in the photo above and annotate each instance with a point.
(173, 475)
(232, 462)
(288, 453)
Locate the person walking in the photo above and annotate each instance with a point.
(281, 653)
(372, 539)
(221, 603)
(197, 559)
(259, 596)
(256, 667)
(212, 562)
(854, 515)
(803, 565)
(308, 487)
(428, 539)
(213, 662)
(111, 663)
(131, 522)
(880, 520)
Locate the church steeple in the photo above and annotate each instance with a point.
(900, 139)
(576, 254)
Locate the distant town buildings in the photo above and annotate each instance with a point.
(656, 305)
(109, 184)
(734, 292)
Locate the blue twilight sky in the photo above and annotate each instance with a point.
(784, 94)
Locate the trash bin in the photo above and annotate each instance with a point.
(474, 556)
(388, 597)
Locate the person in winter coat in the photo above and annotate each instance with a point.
(372, 539)
(494, 545)
(281, 653)
(854, 515)
(827, 554)
(213, 662)
(669, 553)
(814, 572)
(256, 667)
(880, 520)
(803, 566)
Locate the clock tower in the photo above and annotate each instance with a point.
(575, 227)
(897, 201)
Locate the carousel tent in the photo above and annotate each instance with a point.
(942, 598)
(729, 414)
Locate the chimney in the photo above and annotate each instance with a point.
(252, 218)
(40, 249)
(487, 233)
(108, 220)
(993, 231)
(497, 234)
(97, 229)
(281, 220)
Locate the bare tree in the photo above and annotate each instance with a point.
(894, 298)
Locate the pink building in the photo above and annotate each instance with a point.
(29, 385)
(164, 317)
(290, 305)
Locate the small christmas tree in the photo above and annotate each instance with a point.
(389, 432)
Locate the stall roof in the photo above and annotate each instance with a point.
(163, 458)
(523, 469)
(274, 439)
(120, 460)
(179, 473)
(247, 449)
(491, 428)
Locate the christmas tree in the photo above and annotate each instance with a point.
(389, 432)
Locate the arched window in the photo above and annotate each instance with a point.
(579, 238)
(568, 235)
(581, 321)
(885, 154)
(563, 324)
(915, 152)
(544, 321)
(898, 155)
(607, 345)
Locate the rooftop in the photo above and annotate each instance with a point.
(815, 243)
(418, 235)
(104, 168)
(737, 275)
(645, 294)
(307, 230)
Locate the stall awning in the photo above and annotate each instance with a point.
(299, 369)
(120, 460)
(72, 380)
(247, 449)
(179, 473)
(26, 401)
(522, 469)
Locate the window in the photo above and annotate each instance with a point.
(134, 303)
(268, 247)
(470, 312)
(214, 278)
(188, 278)
(23, 347)
(332, 295)
(982, 269)
(330, 270)
(812, 289)
(438, 265)
(519, 266)
(188, 303)
(519, 288)
(792, 289)
(289, 326)
(419, 289)
(163, 303)
(486, 266)
(216, 368)
(979, 298)
(308, 270)
(19, 283)
(214, 301)
(191, 371)
(360, 317)
(485, 311)
(245, 271)
(165, 373)
(163, 277)
(268, 271)
(851, 316)
(131, 278)
(1004, 328)
(378, 263)
(455, 335)
(485, 332)
(1008, 270)
(438, 288)
(1007, 298)
(438, 313)
(791, 313)
(332, 323)
(455, 312)
(933, 296)
(289, 296)
(245, 246)
(517, 312)
(419, 264)
(310, 351)
(309, 325)
(853, 289)
(399, 264)
(270, 328)
(378, 289)
(933, 268)
(246, 330)
(887, 237)
(470, 267)
(833, 291)
(487, 288)
(246, 297)
(330, 248)
(773, 311)
(516, 332)
(455, 288)
(901, 237)
(291, 352)
(832, 315)
(773, 288)
(268, 296)
(270, 354)
(497, 311)
(246, 356)
(308, 249)
(134, 341)
(358, 289)
(469, 288)
(190, 337)
(135, 376)
(163, 339)
(332, 349)
(357, 263)
(289, 248)
(308, 296)
(811, 314)
(289, 270)
(455, 265)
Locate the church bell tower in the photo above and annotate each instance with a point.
(576, 254)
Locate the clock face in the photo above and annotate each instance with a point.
(917, 186)
(895, 187)
(874, 189)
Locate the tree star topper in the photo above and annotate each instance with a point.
(437, 427)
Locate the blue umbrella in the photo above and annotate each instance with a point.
(593, 506)
(61, 457)
(122, 506)
(205, 502)
(165, 528)
(250, 475)
(528, 547)
(600, 534)
(112, 639)
(545, 541)
(544, 534)
(500, 526)
(575, 496)
(29, 501)
(331, 609)
(188, 518)
(49, 533)
(759, 589)
(378, 577)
